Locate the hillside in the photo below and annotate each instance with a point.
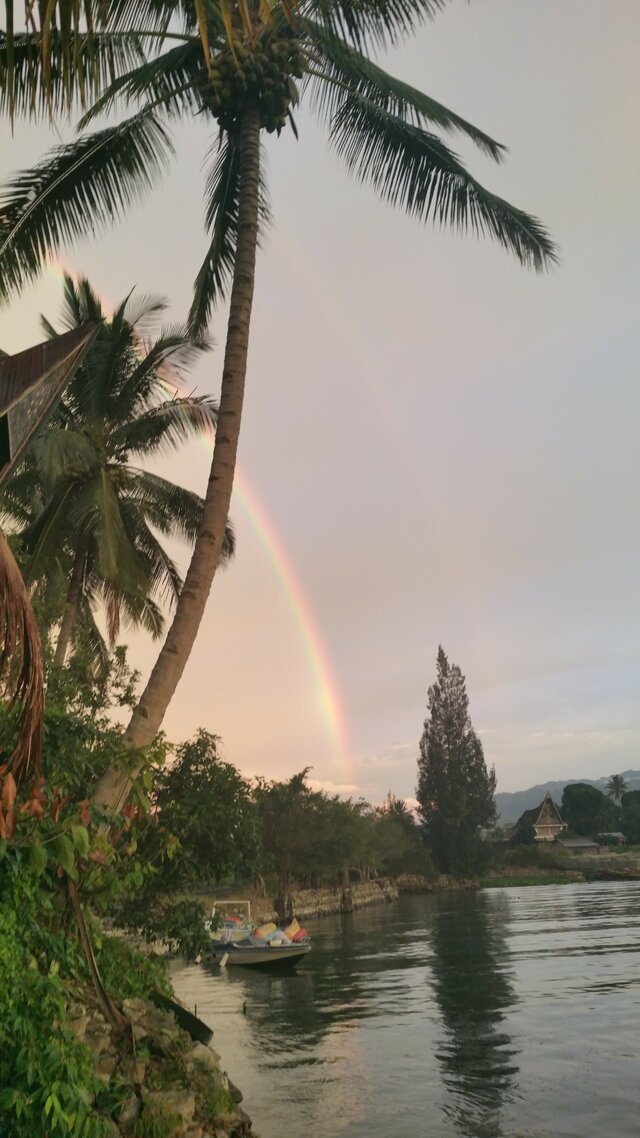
(511, 806)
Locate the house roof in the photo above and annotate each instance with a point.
(578, 843)
(530, 817)
(30, 383)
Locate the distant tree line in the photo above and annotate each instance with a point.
(232, 829)
(589, 812)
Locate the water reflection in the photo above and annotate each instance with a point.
(473, 988)
(482, 1015)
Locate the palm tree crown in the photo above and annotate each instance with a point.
(616, 787)
(174, 59)
(242, 66)
(87, 517)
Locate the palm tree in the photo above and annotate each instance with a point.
(616, 787)
(242, 66)
(85, 515)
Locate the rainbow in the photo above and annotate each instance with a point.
(328, 700)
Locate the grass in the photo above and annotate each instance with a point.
(522, 879)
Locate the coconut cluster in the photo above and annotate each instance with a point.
(262, 73)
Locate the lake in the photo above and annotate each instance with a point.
(506, 1012)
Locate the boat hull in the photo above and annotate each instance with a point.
(252, 956)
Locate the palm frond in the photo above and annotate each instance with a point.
(164, 580)
(47, 533)
(346, 71)
(88, 631)
(223, 199)
(21, 676)
(77, 188)
(173, 81)
(137, 609)
(367, 23)
(171, 509)
(413, 169)
(65, 454)
(166, 426)
(97, 511)
(78, 69)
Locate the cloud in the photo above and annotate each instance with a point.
(346, 789)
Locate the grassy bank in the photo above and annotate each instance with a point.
(509, 881)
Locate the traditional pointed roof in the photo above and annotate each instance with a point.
(30, 383)
(531, 817)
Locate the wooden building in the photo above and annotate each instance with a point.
(545, 820)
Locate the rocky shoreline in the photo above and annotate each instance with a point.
(310, 904)
(167, 1085)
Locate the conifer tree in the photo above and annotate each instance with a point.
(455, 789)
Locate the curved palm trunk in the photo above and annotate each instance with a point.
(113, 788)
(70, 608)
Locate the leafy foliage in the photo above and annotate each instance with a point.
(47, 1078)
(455, 789)
(586, 810)
(86, 514)
(310, 837)
(630, 819)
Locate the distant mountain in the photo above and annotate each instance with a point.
(511, 806)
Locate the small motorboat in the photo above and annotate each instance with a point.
(234, 940)
(249, 954)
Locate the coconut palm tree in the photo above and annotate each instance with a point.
(616, 787)
(242, 66)
(84, 513)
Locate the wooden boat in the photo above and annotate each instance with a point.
(249, 954)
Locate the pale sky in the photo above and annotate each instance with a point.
(443, 445)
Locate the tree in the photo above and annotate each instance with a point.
(616, 787)
(455, 789)
(586, 810)
(85, 514)
(241, 68)
(206, 803)
(525, 836)
(630, 820)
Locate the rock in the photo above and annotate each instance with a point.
(97, 1041)
(204, 1055)
(194, 1132)
(139, 1071)
(236, 1125)
(130, 1110)
(234, 1091)
(135, 1009)
(79, 1027)
(163, 1103)
(106, 1064)
(159, 1027)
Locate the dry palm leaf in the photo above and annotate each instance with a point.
(21, 674)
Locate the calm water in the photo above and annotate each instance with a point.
(499, 1013)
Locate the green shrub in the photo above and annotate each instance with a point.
(126, 972)
(47, 1078)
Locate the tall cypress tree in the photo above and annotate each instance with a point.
(455, 789)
